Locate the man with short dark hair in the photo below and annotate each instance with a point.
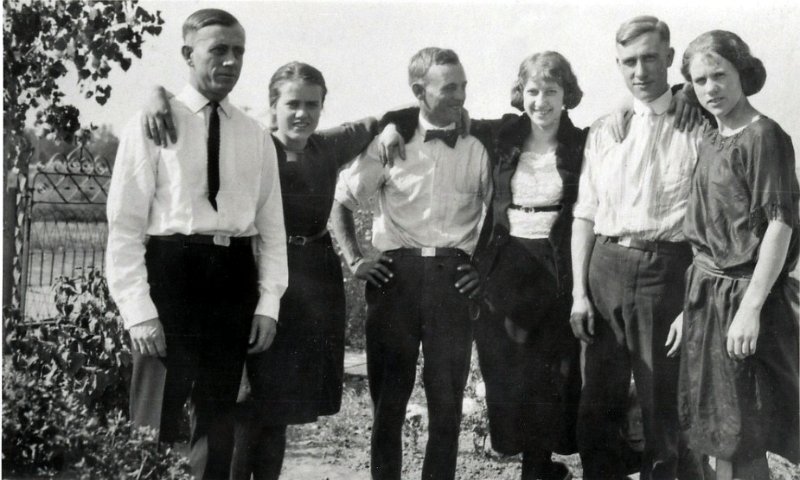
(426, 225)
(196, 256)
(629, 256)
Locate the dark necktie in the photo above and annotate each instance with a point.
(213, 154)
(447, 136)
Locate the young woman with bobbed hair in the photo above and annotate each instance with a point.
(527, 352)
(738, 395)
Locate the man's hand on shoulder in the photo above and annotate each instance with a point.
(686, 108)
(391, 145)
(157, 120)
(262, 333)
(147, 338)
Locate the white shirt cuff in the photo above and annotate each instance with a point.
(137, 311)
(268, 305)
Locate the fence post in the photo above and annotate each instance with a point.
(9, 238)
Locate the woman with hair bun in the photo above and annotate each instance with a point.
(739, 393)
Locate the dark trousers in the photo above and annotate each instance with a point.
(637, 294)
(420, 304)
(205, 296)
(259, 446)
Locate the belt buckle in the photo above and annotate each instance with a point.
(428, 251)
(298, 240)
(222, 240)
(625, 241)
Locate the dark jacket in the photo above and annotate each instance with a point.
(503, 140)
(507, 137)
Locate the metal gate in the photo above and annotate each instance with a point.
(64, 226)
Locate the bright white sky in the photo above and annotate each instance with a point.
(363, 49)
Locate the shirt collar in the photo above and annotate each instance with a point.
(425, 125)
(196, 101)
(657, 107)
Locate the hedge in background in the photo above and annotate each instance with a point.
(65, 393)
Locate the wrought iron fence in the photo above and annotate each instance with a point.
(64, 227)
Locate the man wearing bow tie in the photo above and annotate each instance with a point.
(426, 221)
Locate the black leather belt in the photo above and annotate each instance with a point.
(546, 208)
(428, 252)
(673, 248)
(301, 240)
(198, 239)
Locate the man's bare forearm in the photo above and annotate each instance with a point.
(582, 245)
(344, 228)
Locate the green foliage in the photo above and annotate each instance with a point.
(118, 450)
(354, 288)
(84, 350)
(36, 419)
(46, 431)
(43, 41)
(65, 393)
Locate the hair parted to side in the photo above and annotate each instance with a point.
(293, 72)
(205, 17)
(549, 66)
(423, 60)
(732, 48)
(638, 26)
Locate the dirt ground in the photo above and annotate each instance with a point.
(337, 447)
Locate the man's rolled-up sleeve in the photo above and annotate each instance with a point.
(361, 179)
(586, 205)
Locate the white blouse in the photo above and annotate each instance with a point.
(536, 183)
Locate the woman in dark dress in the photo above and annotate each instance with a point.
(739, 394)
(300, 376)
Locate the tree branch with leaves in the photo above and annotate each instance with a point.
(44, 40)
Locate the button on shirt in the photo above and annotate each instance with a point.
(433, 198)
(164, 190)
(638, 188)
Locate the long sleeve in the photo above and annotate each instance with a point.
(131, 193)
(586, 205)
(349, 139)
(273, 270)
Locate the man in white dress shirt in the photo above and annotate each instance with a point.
(426, 224)
(629, 256)
(196, 256)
